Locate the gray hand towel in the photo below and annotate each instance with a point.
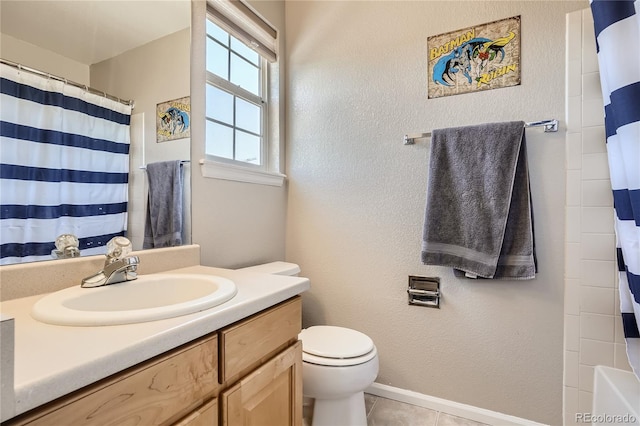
(163, 227)
(478, 217)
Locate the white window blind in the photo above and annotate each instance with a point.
(247, 25)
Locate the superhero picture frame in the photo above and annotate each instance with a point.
(173, 119)
(481, 57)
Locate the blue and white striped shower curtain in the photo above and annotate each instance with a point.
(64, 164)
(617, 28)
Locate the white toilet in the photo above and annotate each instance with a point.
(338, 364)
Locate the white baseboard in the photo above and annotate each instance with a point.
(450, 407)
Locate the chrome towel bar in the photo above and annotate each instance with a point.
(549, 126)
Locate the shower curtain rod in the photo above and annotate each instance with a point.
(66, 81)
(549, 126)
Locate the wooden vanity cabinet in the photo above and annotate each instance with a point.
(249, 373)
(206, 415)
(158, 391)
(261, 368)
(271, 395)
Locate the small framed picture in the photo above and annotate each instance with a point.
(173, 120)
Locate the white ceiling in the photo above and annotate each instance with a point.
(90, 31)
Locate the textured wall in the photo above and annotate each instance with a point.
(42, 59)
(356, 84)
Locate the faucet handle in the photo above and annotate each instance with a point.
(118, 247)
(66, 246)
(66, 240)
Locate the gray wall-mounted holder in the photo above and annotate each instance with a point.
(424, 291)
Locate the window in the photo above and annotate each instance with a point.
(240, 52)
(236, 102)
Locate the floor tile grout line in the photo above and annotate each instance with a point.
(373, 406)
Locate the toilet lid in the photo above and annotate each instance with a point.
(335, 342)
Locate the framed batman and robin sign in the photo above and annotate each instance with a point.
(482, 57)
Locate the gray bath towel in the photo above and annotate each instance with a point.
(478, 217)
(163, 226)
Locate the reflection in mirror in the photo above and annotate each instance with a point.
(139, 50)
(67, 246)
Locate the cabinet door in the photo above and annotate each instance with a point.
(207, 415)
(269, 396)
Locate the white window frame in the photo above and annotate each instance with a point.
(231, 169)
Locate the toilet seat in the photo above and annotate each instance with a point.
(336, 346)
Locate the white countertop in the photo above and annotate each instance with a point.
(51, 361)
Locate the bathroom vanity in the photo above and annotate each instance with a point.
(237, 363)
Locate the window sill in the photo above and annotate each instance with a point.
(219, 170)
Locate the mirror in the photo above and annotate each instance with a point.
(134, 50)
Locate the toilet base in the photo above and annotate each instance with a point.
(347, 411)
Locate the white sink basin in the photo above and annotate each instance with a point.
(148, 298)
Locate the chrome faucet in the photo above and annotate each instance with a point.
(118, 267)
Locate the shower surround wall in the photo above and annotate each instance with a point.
(593, 328)
(356, 84)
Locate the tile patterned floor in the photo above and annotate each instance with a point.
(387, 412)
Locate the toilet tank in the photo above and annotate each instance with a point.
(275, 268)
